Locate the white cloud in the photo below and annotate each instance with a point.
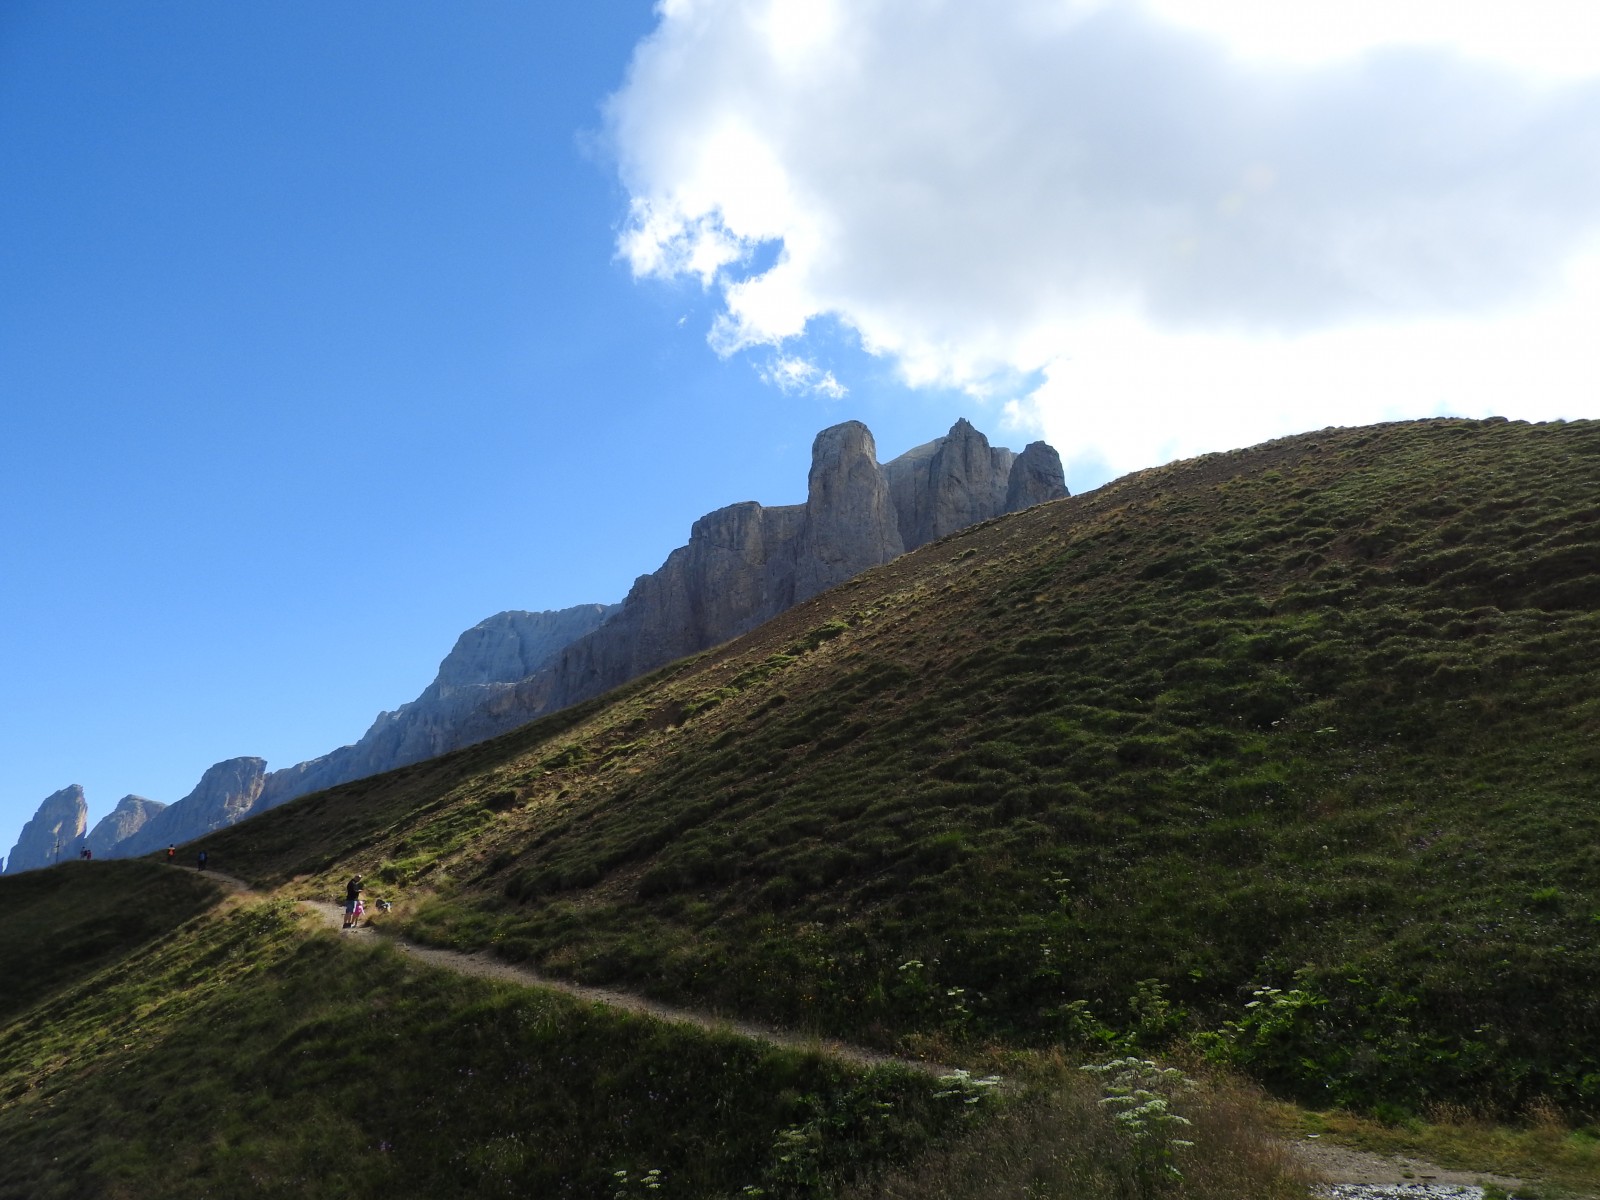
(796, 376)
(1545, 37)
(1181, 394)
(1087, 192)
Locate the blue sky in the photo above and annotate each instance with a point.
(314, 352)
(329, 329)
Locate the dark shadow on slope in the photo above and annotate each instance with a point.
(64, 923)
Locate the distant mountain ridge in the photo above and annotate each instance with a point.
(226, 793)
(743, 565)
(497, 651)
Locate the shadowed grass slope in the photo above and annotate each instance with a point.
(1288, 753)
(240, 1054)
(62, 924)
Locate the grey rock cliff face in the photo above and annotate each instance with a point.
(908, 477)
(850, 521)
(948, 484)
(225, 794)
(131, 814)
(1036, 477)
(496, 652)
(513, 645)
(55, 834)
(745, 564)
(967, 480)
(956, 481)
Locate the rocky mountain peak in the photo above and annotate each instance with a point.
(850, 518)
(225, 793)
(131, 814)
(1036, 477)
(513, 645)
(55, 834)
(948, 484)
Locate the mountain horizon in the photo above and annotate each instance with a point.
(505, 669)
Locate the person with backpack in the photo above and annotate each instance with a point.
(352, 901)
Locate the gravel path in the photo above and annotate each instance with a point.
(1361, 1175)
(1352, 1174)
(1401, 1191)
(486, 966)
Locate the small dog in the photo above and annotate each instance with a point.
(384, 906)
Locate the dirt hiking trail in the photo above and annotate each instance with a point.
(1350, 1173)
(486, 966)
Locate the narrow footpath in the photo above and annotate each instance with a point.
(1351, 1174)
(486, 966)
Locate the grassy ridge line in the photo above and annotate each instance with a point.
(1315, 717)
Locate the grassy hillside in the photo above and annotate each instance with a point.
(236, 1052)
(61, 925)
(237, 1047)
(1288, 754)
(1282, 759)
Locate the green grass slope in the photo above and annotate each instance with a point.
(1289, 753)
(238, 1049)
(61, 925)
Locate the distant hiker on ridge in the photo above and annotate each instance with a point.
(202, 860)
(172, 852)
(352, 901)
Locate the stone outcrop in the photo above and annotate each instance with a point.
(743, 565)
(513, 645)
(54, 835)
(949, 484)
(131, 814)
(850, 520)
(225, 794)
(1036, 478)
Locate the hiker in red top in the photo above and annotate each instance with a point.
(172, 852)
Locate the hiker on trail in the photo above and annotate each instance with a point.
(172, 852)
(203, 860)
(352, 901)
